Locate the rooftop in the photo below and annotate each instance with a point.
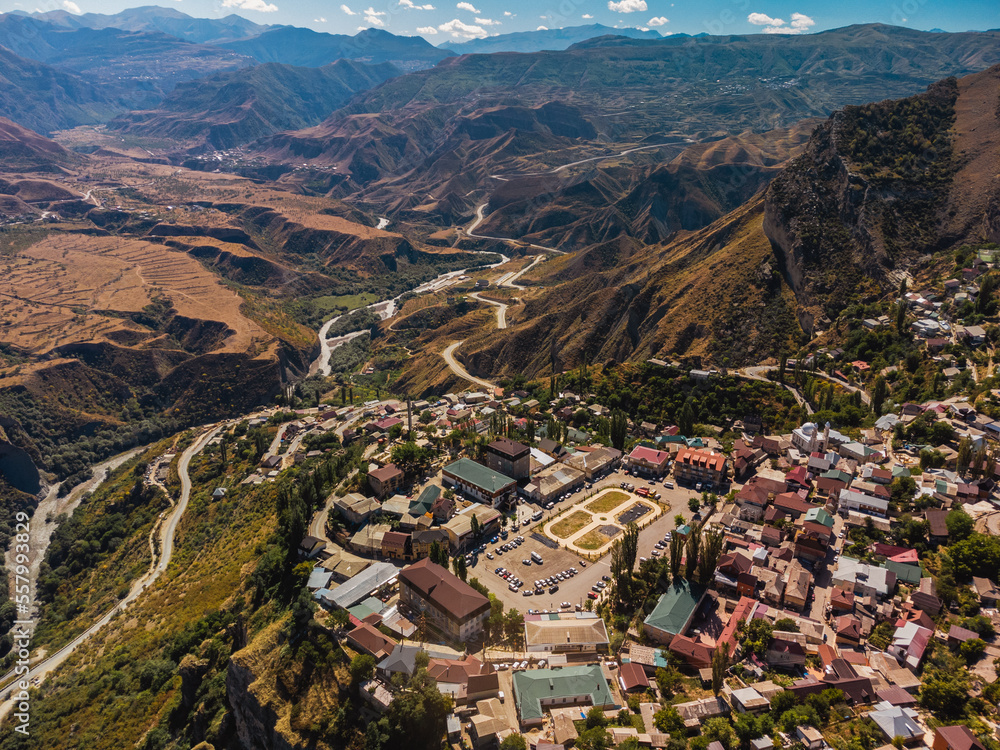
(675, 607)
(479, 476)
(533, 686)
(445, 591)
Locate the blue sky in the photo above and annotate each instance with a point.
(441, 21)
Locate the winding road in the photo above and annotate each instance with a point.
(456, 367)
(168, 529)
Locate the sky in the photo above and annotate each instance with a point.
(442, 21)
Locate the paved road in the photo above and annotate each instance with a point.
(479, 219)
(500, 306)
(456, 367)
(167, 530)
(757, 373)
(557, 170)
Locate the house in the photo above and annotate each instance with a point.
(830, 483)
(595, 463)
(938, 527)
(791, 504)
(554, 481)
(311, 547)
(748, 700)
(488, 725)
(632, 678)
(370, 640)
(909, 643)
(674, 611)
(536, 690)
(487, 485)
(509, 457)
(862, 503)
(958, 635)
(459, 527)
(452, 606)
(354, 508)
(897, 721)
(797, 583)
(987, 591)
(847, 629)
(695, 653)
(397, 545)
(423, 539)
(864, 579)
(958, 737)
(785, 654)
(648, 461)
(385, 481)
(810, 737)
(694, 466)
(925, 597)
(568, 632)
(897, 696)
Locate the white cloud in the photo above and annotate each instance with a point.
(587, 15)
(469, 7)
(801, 22)
(429, 30)
(315, 20)
(508, 13)
(627, 6)
(372, 16)
(71, 7)
(659, 21)
(258, 5)
(412, 6)
(488, 22)
(542, 28)
(461, 30)
(347, 10)
(762, 19)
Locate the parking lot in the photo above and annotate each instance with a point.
(555, 560)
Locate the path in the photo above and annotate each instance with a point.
(166, 544)
(557, 170)
(500, 306)
(479, 220)
(456, 367)
(757, 373)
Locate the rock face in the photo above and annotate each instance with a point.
(256, 725)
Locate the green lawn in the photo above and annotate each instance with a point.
(607, 501)
(566, 527)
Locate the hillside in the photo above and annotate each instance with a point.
(45, 99)
(22, 150)
(141, 66)
(877, 188)
(312, 49)
(542, 39)
(155, 18)
(236, 107)
(443, 132)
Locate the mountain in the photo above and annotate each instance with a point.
(142, 65)
(23, 150)
(305, 47)
(46, 99)
(154, 18)
(443, 132)
(236, 107)
(544, 39)
(878, 189)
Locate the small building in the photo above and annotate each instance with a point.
(648, 461)
(674, 611)
(368, 639)
(554, 481)
(509, 457)
(958, 737)
(354, 508)
(747, 700)
(537, 690)
(909, 643)
(987, 591)
(632, 678)
(810, 737)
(567, 632)
(486, 485)
(695, 653)
(385, 481)
(897, 721)
(595, 463)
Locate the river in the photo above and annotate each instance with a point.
(385, 310)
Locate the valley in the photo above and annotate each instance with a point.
(300, 329)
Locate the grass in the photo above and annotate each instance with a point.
(593, 539)
(571, 524)
(607, 501)
(346, 302)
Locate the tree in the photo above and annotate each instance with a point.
(787, 625)
(678, 520)
(966, 450)
(514, 742)
(475, 527)
(757, 637)
(712, 542)
(595, 717)
(619, 429)
(458, 564)
(719, 729)
(879, 392)
(676, 555)
(987, 286)
(362, 668)
(693, 504)
(901, 317)
(685, 419)
(972, 650)
(416, 716)
(693, 547)
(720, 663)
(411, 458)
(668, 721)
(960, 525)
(902, 288)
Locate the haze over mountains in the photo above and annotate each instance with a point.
(545, 39)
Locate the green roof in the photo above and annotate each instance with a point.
(676, 607)
(531, 686)
(423, 503)
(905, 572)
(900, 471)
(478, 475)
(819, 515)
(841, 476)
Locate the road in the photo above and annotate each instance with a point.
(469, 232)
(166, 545)
(500, 306)
(757, 373)
(456, 367)
(557, 170)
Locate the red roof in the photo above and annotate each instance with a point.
(446, 591)
(650, 455)
(799, 475)
(633, 676)
(704, 459)
(909, 556)
(744, 607)
(387, 472)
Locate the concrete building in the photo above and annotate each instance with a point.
(538, 690)
(551, 482)
(693, 466)
(648, 461)
(456, 609)
(385, 481)
(487, 485)
(595, 463)
(575, 632)
(509, 457)
(674, 611)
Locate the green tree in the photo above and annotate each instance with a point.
(972, 650)
(685, 419)
(787, 625)
(619, 429)
(879, 392)
(960, 525)
(693, 504)
(595, 717)
(676, 555)
(757, 637)
(693, 548)
(966, 450)
(718, 729)
(712, 542)
(901, 317)
(362, 668)
(514, 742)
(416, 716)
(476, 529)
(668, 720)
(720, 664)
(458, 565)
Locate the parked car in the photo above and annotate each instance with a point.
(591, 595)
